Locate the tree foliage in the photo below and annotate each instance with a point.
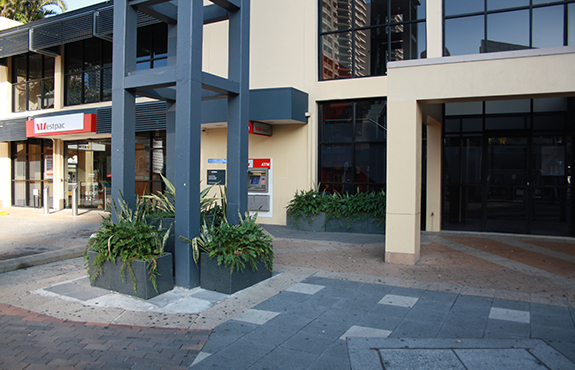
(28, 11)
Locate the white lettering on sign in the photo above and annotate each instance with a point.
(70, 122)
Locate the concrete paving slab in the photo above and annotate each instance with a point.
(477, 354)
(398, 300)
(362, 331)
(509, 315)
(258, 317)
(305, 288)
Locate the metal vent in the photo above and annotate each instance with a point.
(146, 20)
(104, 120)
(149, 117)
(104, 22)
(13, 130)
(62, 32)
(13, 43)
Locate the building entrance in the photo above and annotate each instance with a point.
(513, 180)
(88, 167)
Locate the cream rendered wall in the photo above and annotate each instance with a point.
(283, 54)
(5, 178)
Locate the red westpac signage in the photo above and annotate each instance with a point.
(61, 125)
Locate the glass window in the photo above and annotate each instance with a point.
(468, 42)
(508, 106)
(353, 46)
(547, 31)
(506, 4)
(33, 82)
(457, 7)
(88, 66)
(507, 31)
(352, 146)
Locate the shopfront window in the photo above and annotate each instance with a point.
(32, 171)
(150, 161)
(359, 37)
(88, 167)
(88, 72)
(496, 25)
(352, 146)
(32, 82)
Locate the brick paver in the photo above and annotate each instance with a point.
(34, 341)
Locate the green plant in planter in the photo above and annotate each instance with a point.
(234, 246)
(130, 238)
(353, 207)
(307, 204)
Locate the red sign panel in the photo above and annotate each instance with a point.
(61, 125)
(260, 163)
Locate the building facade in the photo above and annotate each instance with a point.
(462, 111)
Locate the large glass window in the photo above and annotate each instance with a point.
(33, 170)
(352, 146)
(150, 161)
(88, 71)
(152, 46)
(501, 25)
(359, 37)
(32, 82)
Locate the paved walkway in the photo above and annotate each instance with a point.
(473, 301)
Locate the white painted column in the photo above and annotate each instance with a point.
(433, 194)
(434, 24)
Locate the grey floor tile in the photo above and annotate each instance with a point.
(472, 305)
(379, 321)
(310, 343)
(313, 308)
(269, 335)
(282, 301)
(289, 322)
(552, 333)
(408, 292)
(415, 329)
(348, 316)
(498, 329)
(512, 305)
(331, 329)
(427, 316)
(551, 316)
(460, 332)
(245, 352)
(567, 349)
(334, 357)
(284, 358)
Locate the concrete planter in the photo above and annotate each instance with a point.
(111, 277)
(317, 224)
(368, 225)
(219, 278)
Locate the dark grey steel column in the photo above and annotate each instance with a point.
(238, 112)
(188, 130)
(171, 111)
(123, 103)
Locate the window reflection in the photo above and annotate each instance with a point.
(507, 31)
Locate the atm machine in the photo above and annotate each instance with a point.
(260, 186)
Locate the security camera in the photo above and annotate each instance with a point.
(203, 129)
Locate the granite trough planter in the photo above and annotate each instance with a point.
(365, 225)
(219, 278)
(111, 277)
(317, 223)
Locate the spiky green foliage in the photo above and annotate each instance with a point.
(308, 204)
(235, 246)
(130, 238)
(28, 11)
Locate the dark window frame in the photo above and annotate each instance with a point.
(384, 26)
(485, 13)
(103, 68)
(353, 141)
(28, 81)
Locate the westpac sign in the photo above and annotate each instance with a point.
(61, 125)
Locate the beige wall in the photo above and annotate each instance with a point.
(5, 179)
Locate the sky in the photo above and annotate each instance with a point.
(77, 4)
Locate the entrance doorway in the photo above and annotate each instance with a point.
(88, 167)
(514, 180)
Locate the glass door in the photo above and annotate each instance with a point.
(88, 167)
(507, 195)
(551, 185)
